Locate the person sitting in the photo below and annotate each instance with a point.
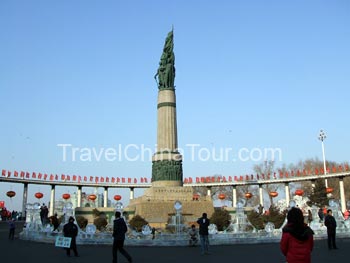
(193, 236)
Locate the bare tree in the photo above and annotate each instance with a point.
(253, 189)
(201, 190)
(314, 163)
(267, 168)
(215, 190)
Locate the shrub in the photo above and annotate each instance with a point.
(318, 196)
(275, 216)
(100, 223)
(61, 219)
(95, 212)
(137, 222)
(82, 222)
(256, 219)
(221, 218)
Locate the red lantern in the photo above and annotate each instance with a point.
(329, 190)
(66, 196)
(92, 197)
(117, 197)
(273, 194)
(248, 195)
(39, 195)
(299, 192)
(11, 194)
(222, 196)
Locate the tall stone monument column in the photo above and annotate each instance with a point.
(167, 188)
(167, 161)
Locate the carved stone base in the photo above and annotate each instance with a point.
(157, 205)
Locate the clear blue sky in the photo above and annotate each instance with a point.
(252, 74)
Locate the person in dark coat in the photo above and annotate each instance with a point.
(71, 230)
(119, 230)
(12, 228)
(44, 212)
(320, 214)
(331, 225)
(297, 238)
(153, 233)
(55, 222)
(204, 223)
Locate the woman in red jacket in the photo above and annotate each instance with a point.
(297, 238)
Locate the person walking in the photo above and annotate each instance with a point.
(12, 227)
(71, 230)
(297, 238)
(331, 225)
(204, 223)
(119, 230)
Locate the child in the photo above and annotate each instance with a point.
(193, 236)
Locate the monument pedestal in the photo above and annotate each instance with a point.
(157, 205)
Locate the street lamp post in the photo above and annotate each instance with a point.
(322, 136)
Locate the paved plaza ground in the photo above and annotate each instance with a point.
(18, 251)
